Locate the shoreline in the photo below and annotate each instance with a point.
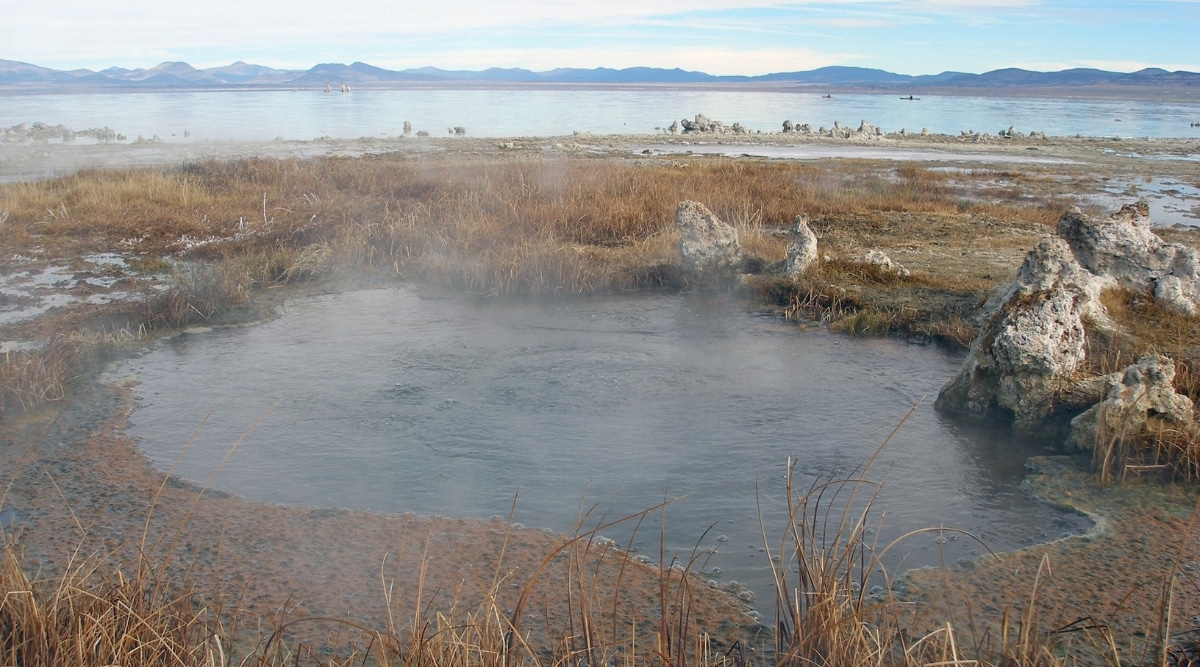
(40, 160)
(1131, 92)
(1111, 577)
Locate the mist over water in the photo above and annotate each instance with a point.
(308, 114)
(385, 401)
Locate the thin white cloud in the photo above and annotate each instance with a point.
(1108, 65)
(973, 5)
(852, 23)
(724, 36)
(1135, 65)
(231, 21)
(794, 28)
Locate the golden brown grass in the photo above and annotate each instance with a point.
(101, 611)
(94, 614)
(864, 299)
(230, 229)
(567, 226)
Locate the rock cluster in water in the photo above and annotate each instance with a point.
(865, 132)
(702, 124)
(868, 132)
(1023, 367)
(24, 132)
(838, 131)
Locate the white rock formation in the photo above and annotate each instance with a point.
(1122, 249)
(1022, 366)
(1030, 346)
(707, 246)
(801, 247)
(1142, 393)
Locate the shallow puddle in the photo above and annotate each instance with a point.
(385, 401)
(30, 287)
(1171, 201)
(822, 152)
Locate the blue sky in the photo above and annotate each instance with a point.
(714, 36)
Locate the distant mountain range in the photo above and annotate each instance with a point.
(180, 75)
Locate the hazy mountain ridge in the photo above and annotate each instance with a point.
(15, 74)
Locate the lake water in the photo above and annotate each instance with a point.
(506, 112)
(381, 400)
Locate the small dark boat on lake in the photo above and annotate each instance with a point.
(910, 97)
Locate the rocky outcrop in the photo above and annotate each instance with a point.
(865, 131)
(708, 247)
(1135, 400)
(801, 247)
(1123, 249)
(1022, 368)
(31, 132)
(702, 124)
(1030, 346)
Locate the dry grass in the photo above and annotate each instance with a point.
(835, 604)
(96, 615)
(571, 226)
(829, 612)
(864, 299)
(230, 229)
(101, 611)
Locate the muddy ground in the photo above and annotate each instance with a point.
(74, 487)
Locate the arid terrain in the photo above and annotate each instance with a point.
(91, 268)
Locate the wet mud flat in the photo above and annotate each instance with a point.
(1138, 564)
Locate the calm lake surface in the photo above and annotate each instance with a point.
(381, 400)
(504, 112)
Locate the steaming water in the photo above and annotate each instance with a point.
(385, 401)
(306, 114)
